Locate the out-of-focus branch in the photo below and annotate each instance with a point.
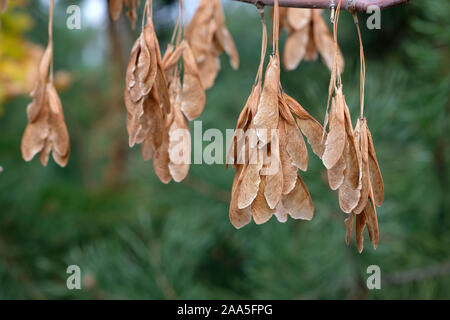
(116, 167)
(349, 5)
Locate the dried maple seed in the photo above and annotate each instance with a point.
(46, 131)
(159, 104)
(266, 182)
(208, 36)
(308, 35)
(349, 154)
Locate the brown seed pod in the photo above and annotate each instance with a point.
(268, 181)
(208, 36)
(298, 202)
(351, 155)
(375, 174)
(159, 104)
(194, 97)
(308, 35)
(336, 139)
(267, 115)
(238, 217)
(46, 131)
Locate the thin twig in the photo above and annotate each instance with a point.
(349, 5)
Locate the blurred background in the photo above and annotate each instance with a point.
(135, 238)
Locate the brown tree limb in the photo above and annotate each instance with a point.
(349, 5)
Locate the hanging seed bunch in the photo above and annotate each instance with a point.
(350, 158)
(208, 36)
(308, 36)
(268, 183)
(116, 7)
(159, 104)
(46, 131)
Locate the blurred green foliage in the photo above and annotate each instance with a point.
(137, 238)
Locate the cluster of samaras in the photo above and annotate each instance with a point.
(267, 182)
(159, 104)
(46, 131)
(353, 170)
(308, 36)
(208, 36)
(163, 94)
(271, 149)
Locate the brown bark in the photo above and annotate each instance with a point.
(349, 5)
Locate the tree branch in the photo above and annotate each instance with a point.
(349, 5)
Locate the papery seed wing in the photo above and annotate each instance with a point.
(348, 194)
(260, 209)
(115, 9)
(134, 124)
(352, 170)
(335, 143)
(151, 43)
(35, 136)
(208, 70)
(200, 32)
(376, 178)
(349, 222)
(298, 18)
(267, 115)
(58, 136)
(296, 147)
(224, 36)
(163, 91)
(39, 93)
(179, 139)
(289, 172)
(298, 202)
(45, 153)
(161, 160)
(250, 180)
(309, 126)
(311, 53)
(61, 160)
(238, 217)
(281, 213)
(324, 43)
(153, 124)
(295, 48)
(361, 220)
(194, 97)
(242, 123)
(285, 113)
(274, 174)
(365, 174)
(336, 174)
(372, 221)
(203, 14)
(287, 166)
(143, 62)
(171, 57)
(130, 77)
